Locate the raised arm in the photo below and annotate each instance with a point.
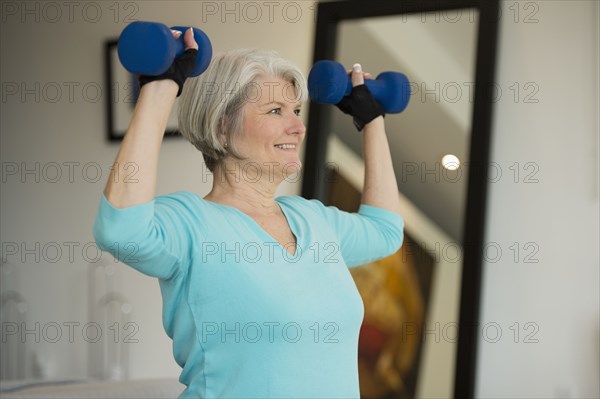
(140, 149)
(380, 184)
(138, 229)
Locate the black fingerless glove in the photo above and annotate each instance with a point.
(361, 105)
(178, 71)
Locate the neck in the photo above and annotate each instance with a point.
(246, 188)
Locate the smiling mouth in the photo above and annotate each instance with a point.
(286, 147)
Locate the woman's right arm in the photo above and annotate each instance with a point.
(146, 233)
(140, 148)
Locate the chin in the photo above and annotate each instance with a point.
(291, 172)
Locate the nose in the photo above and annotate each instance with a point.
(296, 126)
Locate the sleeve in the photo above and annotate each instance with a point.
(368, 235)
(153, 238)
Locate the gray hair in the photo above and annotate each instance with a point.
(211, 105)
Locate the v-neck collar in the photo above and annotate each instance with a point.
(263, 231)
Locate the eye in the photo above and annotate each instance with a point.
(275, 111)
(298, 112)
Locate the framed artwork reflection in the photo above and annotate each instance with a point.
(122, 90)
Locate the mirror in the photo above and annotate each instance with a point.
(421, 303)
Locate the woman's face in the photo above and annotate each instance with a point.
(271, 117)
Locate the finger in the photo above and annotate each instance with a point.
(357, 75)
(176, 33)
(189, 40)
(367, 75)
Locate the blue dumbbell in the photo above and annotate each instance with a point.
(328, 83)
(149, 48)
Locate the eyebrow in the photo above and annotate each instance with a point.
(282, 104)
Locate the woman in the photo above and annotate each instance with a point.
(257, 295)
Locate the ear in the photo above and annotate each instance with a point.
(222, 141)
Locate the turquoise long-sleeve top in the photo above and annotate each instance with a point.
(247, 318)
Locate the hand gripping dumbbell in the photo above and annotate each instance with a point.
(149, 48)
(328, 83)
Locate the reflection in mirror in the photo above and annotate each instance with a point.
(408, 340)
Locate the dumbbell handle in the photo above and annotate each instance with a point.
(179, 42)
(374, 86)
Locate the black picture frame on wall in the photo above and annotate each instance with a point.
(122, 89)
(329, 15)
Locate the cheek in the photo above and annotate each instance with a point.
(256, 141)
(264, 134)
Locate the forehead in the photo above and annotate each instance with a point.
(266, 89)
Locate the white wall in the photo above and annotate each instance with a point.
(558, 215)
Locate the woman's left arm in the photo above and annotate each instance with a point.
(380, 185)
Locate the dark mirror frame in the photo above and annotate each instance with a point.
(329, 14)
